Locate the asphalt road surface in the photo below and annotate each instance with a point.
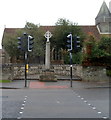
(76, 102)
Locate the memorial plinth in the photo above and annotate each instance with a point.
(48, 74)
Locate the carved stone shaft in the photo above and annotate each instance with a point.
(47, 56)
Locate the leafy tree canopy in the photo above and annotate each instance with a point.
(38, 34)
(10, 41)
(62, 29)
(105, 44)
(100, 51)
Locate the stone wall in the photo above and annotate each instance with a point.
(93, 73)
(63, 70)
(7, 72)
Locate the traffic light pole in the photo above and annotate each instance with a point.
(76, 45)
(69, 41)
(71, 68)
(25, 44)
(26, 61)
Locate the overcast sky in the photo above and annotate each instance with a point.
(15, 13)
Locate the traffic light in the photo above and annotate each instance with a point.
(30, 43)
(25, 42)
(19, 43)
(76, 43)
(22, 42)
(69, 42)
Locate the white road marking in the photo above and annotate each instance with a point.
(82, 98)
(20, 112)
(23, 104)
(22, 108)
(89, 104)
(94, 108)
(99, 112)
(58, 101)
(104, 117)
(19, 118)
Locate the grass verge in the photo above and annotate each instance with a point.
(5, 81)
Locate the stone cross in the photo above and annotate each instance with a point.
(48, 35)
(47, 53)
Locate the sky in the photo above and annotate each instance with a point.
(15, 13)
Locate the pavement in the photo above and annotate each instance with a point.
(19, 84)
(34, 83)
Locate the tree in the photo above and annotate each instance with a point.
(105, 44)
(62, 29)
(10, 41)
(37, 33)
(98, 52)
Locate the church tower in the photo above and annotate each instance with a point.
(110, 6)
(103, 19)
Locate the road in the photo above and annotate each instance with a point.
(49, 102)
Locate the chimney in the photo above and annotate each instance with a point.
(110, 6)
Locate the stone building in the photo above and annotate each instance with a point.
(4, 57)
(103, 20)
(102, 27)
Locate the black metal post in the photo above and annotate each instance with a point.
(71, 68)
(26, 60)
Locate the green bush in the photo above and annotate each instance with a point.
(76, 58)
(108, 72)
(66, 59)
